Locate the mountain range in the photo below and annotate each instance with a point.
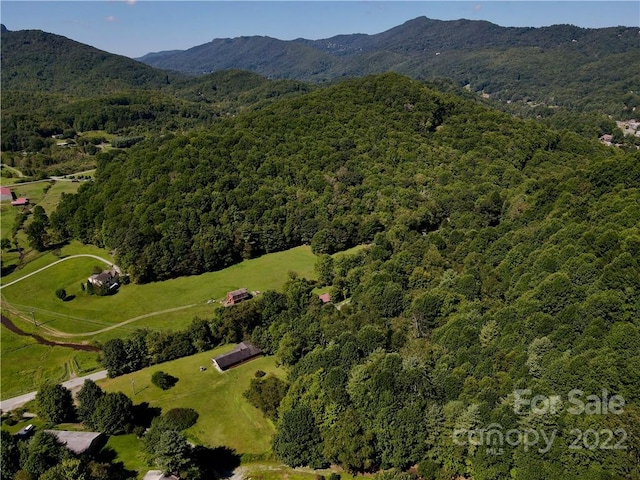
(558, 65)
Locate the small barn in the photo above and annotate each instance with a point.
(243, 352)
(79, 442)
(20, 202)
(236, 297)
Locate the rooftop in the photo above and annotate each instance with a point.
(77, 442)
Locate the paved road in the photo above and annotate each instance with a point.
(63, 260)
(15, 402)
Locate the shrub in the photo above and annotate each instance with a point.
(181, 418)
(163, 380)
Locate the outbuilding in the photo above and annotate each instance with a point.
(244, 351)
(237, 296)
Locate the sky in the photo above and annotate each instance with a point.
(136, 27)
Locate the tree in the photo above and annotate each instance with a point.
(114, 357)
(37, 235)
(163, 380)
(87, 398)
(9, 455)
(61, 293)
(5, 244)
(69, 468)
(55, 403)
(113, 414)
(297, 440)
(324, 269)
(44, 452)
(172, 453)
(266, 394)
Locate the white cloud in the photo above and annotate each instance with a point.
(111, 19)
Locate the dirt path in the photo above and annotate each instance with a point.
(60, 261)
(58, 333)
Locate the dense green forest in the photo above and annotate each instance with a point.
(503, 257)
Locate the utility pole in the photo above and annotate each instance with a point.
(133, 387)
(33, 316)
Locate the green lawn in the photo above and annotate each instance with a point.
(128, 451)
(225, 417)
(87, 313)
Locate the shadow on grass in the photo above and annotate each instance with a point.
(143, 414)
(68, 298)
(105, 466)
(218, 461)
(7, 269)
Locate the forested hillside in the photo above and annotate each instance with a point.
(580, 69)
(52, 85)
(502, 263)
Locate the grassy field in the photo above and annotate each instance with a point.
(226, 418)
(88, 313)
(22, 368)
(45, 194)
(26, 364)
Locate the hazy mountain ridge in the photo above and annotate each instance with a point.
(426, 49)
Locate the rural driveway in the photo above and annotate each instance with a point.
(60, 261)
(15, 402)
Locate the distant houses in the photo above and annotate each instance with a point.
(243, 352)
(236, 296)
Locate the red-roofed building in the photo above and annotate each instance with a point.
(6, 194)
(237, 296)
(325, 298)
(20, 202)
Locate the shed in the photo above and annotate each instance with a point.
(79, 442)
(237, 296)
(243, 352)
(325, 297)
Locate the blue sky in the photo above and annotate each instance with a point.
(136, 27)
